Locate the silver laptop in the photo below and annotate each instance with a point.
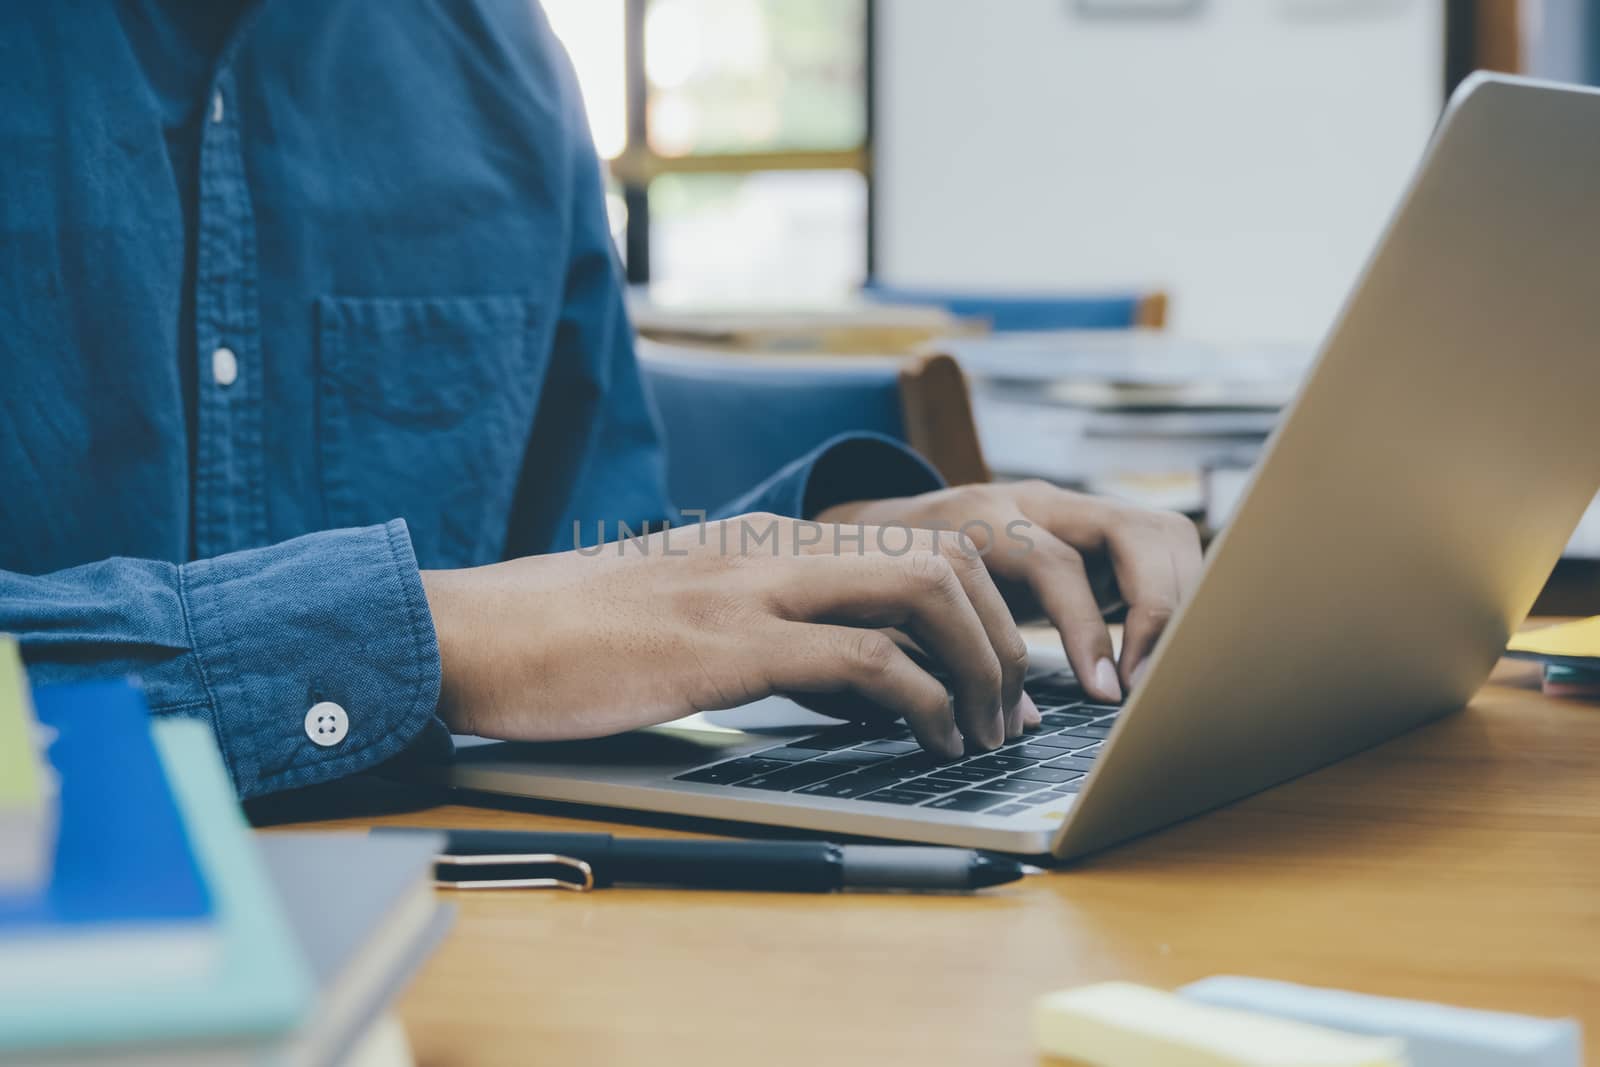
(1408, 509)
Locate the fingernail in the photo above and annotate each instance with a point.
(1105, 680)
(1030, 710)
(1138, 672)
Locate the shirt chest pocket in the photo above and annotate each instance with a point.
(424, 411)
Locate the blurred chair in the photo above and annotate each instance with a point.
(731, 420)
(1017, 312)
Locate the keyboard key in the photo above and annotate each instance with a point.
(1095, 732)
(1106, 711)
(891, 748)
(971, 800)
(794, 776)
(1012, 786)
(921, 785)
(1010, 809)
(1054, 690)
(1092, 751)
(789, 754)
(1068, 788)
(1071, 763)
(837, 738)
(1046, 773)
(933, 785)
(999, 763)
(850, 785)
(1060, 720)
(964, 773)
(896, 796)
(854, 758)
(1058, 741)
(1032, 751)
(912, 766)
(732, 771)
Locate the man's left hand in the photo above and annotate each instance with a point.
(1068, 556)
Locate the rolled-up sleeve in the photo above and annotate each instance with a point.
(846, 468)
(252, 641)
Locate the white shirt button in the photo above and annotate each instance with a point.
(327, 724)
(224, 367)
(216, 106)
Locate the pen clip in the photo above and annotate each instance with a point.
(583, 870)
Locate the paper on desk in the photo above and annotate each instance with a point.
(1575, 644)
(1436, 1035)
(1113, 1024)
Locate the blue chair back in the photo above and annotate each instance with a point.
(729, 422)
(1018, 312)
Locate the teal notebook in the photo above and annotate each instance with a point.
(259, 988)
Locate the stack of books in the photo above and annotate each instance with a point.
(1570, 652)
(162, 930)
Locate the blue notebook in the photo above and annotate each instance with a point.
(125, 894)
(257, 986)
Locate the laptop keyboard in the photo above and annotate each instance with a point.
(884, 765)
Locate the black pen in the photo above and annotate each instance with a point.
(790, 866)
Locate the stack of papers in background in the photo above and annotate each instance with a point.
(167, 932)
(27, 782)
(1136, 414)
(1158, 420)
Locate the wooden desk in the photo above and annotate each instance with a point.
(1460, 863)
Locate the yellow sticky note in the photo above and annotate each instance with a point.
(1118, 1024)
(1569, 640)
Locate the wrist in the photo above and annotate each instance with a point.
(441, 589)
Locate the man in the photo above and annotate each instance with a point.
(315, 350)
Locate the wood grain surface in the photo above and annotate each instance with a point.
(1459, 863)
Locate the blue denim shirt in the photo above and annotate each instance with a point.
(295, 298)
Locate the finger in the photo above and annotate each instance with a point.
(998, 624)
(962, 550)
(919, 591)
(816, 658)
(851, 706)
(1031, 718)
(1156, 560)
(1056, 574)
(1190, 558)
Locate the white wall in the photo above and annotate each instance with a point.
(1245, 156)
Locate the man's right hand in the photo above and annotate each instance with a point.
(584, 644)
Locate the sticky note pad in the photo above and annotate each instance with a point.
(27, 786)
(1436, 1035)
(1573, 643)
(1117, 1024)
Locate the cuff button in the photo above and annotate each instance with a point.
(327, 724)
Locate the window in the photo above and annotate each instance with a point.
(735, 138)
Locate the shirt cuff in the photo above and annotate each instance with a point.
(852, 466)
(336, 617)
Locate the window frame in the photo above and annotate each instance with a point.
(639, 164)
